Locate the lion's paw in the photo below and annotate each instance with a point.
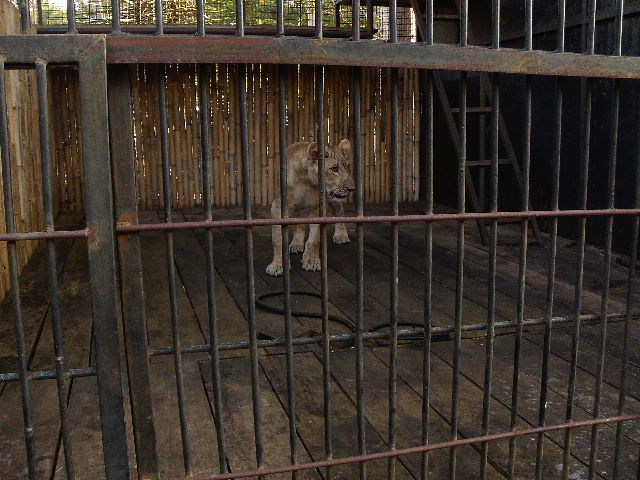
(296, 247)
(275, 269)
(311, 263)
(341, 237)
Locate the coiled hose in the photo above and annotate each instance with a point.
(345, 322)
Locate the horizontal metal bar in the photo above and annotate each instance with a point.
(279, 342)
(420, 449)
(191, 29)
(48, 374)
(288, 50)
(56, 234)
(29, 49)
(436, 217)
(257, 222)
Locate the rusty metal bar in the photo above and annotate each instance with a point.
(395, 247)
(553, 251)
(286, 257)
(608, 241)
(171, 267)
(54, 306)
(460, 243)
(14, 272)
(426, 133)
(249, 270)
(127, 228)
(204, 73)
(51, 235)
(101, 253)
(581, 237)
(49, 374)
(358, 220)
(307, 51)
(130, 269)
(324, 272)
(356, 79)
(493, 251)
(423, 448)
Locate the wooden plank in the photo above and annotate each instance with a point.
(238, 419)
(409, 414)
(309, 403)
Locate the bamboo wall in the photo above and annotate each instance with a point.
(184, 132)
(22, 111)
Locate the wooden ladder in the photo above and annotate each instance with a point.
(449, 112)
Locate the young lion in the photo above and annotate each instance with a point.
(303, 198)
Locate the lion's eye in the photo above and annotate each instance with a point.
(335, 169)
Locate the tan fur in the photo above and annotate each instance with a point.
(303, 199)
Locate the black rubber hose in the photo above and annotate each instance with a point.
(334, 318)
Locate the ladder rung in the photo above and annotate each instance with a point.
(474, 110)
(487, 163)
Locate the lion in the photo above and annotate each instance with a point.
(303, 195)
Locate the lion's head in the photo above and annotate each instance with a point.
(338, 169)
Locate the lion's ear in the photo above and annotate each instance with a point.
(345, 147)
(312, 152)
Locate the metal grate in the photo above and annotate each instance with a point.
(205, 49)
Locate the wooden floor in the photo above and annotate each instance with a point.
(232, 310)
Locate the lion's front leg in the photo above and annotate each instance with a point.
(340, 234)
(297, 244)
(311, 255)
(275, 267)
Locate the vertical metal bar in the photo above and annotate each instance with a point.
(204, 77)
(528, 25)
(318, 18)
(581, 241)
(286, 262)
(359, 174)
(159, 17)
(25, 16)
(561, 24)
(71, 16)
(370, 18)
(14, 272)
(550, 278)
(464, 23)
(493, 242)
(250, 275)
(457, 339)
(279, 18)
(239, 18)
(393, 22)
(115, 16)
(171, 269)
(495, 13)
(393, 280)
(611, 188)
(200, 31)
(54, 306)
(324, 274)
(493, 247)
(132, 291)
(429, 22)
(428, 312)
(102, 271)
(355, 20)
(632, 286)
(522, 268)
(604, 306)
